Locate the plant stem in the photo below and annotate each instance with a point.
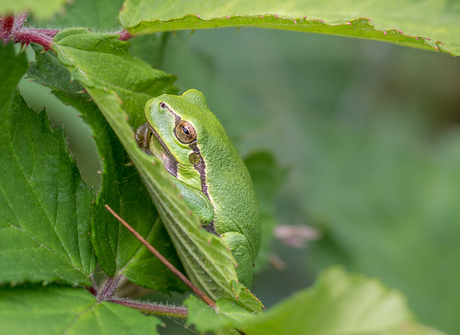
(6, 27)
(124, 35)
(109, 288)
(170, 311)
(171, 267)
(11, 29)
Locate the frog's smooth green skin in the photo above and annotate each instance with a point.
(208, 171)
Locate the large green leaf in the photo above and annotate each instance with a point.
(64, 310)
(412, 23)
(339, 304)
(13, 67)
(101, 14)
(118, 251)
(41, 9)
(207, 260)
(45, 206)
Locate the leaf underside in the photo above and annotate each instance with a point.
(430, 24)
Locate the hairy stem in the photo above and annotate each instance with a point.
(109, 288)
(6, 27)
(152, 309)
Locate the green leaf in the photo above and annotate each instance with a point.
(207, 260)
(63, 310)
(415, 24)
(104, 61)
(339, 303)
(13, 67)
(267, 177)
(118, 251)
(45, 206)
(41, 9)
(101, 14)
(45, 212)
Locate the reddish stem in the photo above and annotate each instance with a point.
(6, 27)
(11, 30)
(124, 35)
(19, 20)
(175, 312)
(47, 32)
(91, 290)
(171, 267)
(28, 36)
(109, 288)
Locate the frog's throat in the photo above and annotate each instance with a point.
(161, 151)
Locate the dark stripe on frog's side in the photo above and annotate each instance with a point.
(201, 168)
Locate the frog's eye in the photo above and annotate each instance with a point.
(185, 132)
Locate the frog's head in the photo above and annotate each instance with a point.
(179, 125)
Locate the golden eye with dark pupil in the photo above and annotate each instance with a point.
(185, 132)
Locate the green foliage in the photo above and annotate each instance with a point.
(101, 14)
(57, 310)
(409, 23)
(339, 303)
(118, 251)
(45, 213)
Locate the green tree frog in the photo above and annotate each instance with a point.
(213, 180)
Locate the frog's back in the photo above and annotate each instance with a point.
(229, 185)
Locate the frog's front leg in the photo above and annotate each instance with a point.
(242, 252)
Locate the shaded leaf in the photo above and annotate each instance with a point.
(45, 206)
(13, 67)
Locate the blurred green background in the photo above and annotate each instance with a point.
(369, 134)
